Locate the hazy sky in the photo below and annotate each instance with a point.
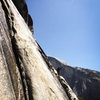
(68, 30)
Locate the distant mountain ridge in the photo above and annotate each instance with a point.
(84, 82)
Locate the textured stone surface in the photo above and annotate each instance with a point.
(85, 83)
(9, 72)
(25, 71)
(23, 10)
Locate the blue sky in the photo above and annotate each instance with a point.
(68, 30)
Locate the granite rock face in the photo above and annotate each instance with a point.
(85, 83)
(25, 72)
(23, 10)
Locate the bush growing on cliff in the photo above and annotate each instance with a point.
(80, 98)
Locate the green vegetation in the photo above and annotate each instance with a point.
(80, 98)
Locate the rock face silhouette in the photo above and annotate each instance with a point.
(25, 72)
(85, 83)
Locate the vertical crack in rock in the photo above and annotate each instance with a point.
(26, 82)
(21, 67)
(9, 57)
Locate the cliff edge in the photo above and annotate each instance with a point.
(25, 72)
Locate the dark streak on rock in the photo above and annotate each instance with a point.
(25, 79)
(23, 10)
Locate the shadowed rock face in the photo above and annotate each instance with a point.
(23, 10)
(85, 83)
(25, 72)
